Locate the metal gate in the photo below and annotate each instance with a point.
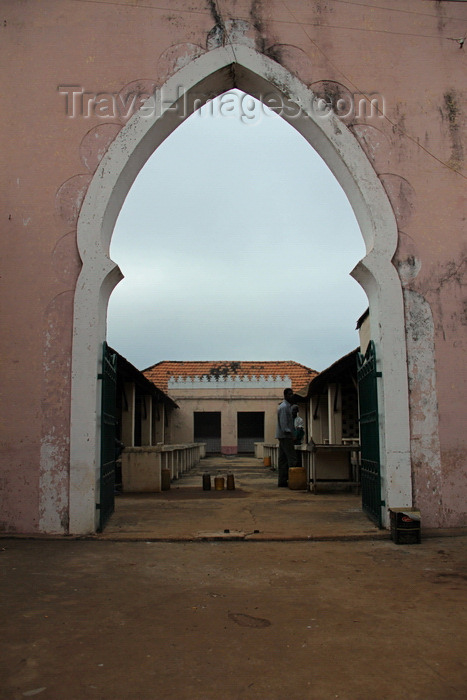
(108, 434)
(369, 434)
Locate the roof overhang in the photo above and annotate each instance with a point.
(342, 368)
(127, 372)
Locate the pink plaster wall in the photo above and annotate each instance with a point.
(404, 52)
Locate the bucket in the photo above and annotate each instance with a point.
(267, 461)
(206, 482)
(165, 479)
(219, 483)
(297, 478)
(230, 482)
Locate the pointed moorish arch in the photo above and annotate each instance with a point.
(213, 73)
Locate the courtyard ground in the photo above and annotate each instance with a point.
(202, 614)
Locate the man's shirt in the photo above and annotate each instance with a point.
(285, 426)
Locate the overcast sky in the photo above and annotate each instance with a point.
(236, 243)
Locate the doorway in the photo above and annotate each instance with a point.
(250, 429)
(207, 429)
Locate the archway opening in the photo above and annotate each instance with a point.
(236, 243)
(212, 74)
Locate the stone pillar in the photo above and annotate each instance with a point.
(334, 414)
(229, 445)
(320, 424)
(128, 416)
(146, 420)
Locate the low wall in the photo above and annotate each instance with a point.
(271, 450)
(259, 450)
(142, 466)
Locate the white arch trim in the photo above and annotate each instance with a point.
(213, 73)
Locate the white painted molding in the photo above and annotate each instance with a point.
(230, 382)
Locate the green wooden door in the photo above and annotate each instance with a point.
(108, 434)
(369, 434)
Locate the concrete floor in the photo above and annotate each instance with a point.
(257, 509)
(121, 617)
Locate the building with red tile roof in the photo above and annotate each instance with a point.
(162, 372)
(228, 405)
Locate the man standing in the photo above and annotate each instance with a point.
(298, 424)
(285, 435)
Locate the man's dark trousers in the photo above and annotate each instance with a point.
(287, 459)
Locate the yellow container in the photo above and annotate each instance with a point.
(297, 478)
(267, 461)
(219, 483)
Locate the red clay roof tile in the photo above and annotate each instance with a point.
(161, 372)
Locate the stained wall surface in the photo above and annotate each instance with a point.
(70, 72)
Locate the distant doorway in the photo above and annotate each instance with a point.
(207, 429)
(250, 429)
